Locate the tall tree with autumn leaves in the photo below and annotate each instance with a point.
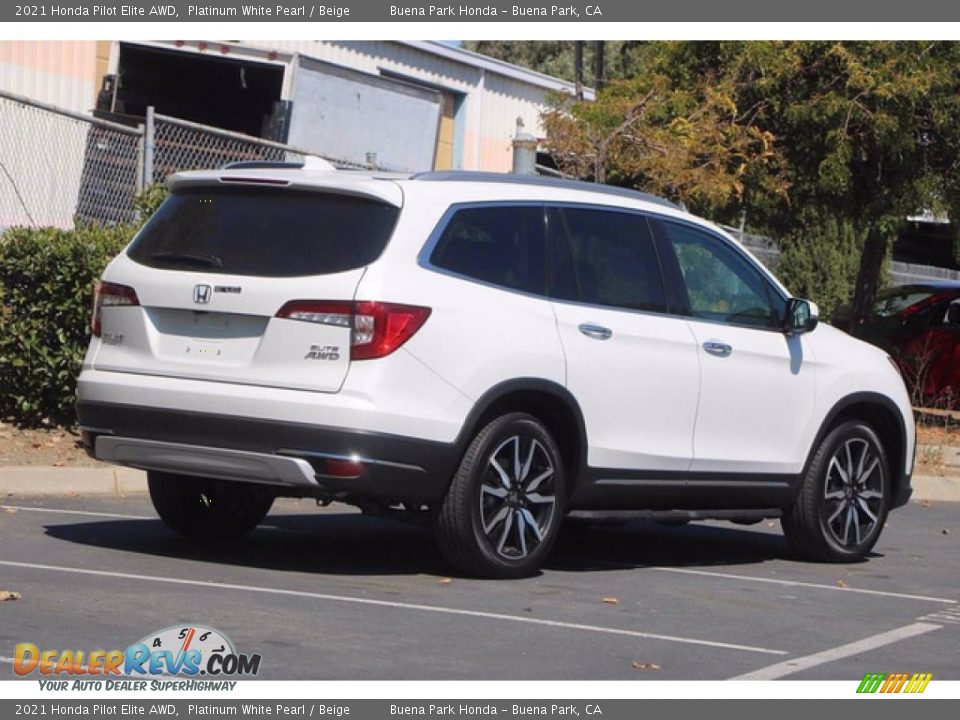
(866, 133)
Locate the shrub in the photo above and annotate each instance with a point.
(820, 261)
(46, 285)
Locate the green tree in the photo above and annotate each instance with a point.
(687, 143)
(867, 130)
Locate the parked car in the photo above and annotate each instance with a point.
(482, 352)
(919, 326)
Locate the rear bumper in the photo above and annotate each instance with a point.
(290, 456)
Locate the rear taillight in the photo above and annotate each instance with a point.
(107, 294)
(377, 328)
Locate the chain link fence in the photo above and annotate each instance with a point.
(59, 167)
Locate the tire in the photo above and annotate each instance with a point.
(490, 525)
(844, 499)
(205, 509)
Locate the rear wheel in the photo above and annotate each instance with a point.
(502, 511)
(843, 503)
(206, 509)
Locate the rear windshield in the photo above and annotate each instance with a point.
(272, 233)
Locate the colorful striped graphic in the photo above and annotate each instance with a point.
(894, 682)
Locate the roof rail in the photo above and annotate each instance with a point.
(493, 177)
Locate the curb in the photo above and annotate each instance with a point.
(47, 481)
(115, 480)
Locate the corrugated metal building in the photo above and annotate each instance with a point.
(252, 87)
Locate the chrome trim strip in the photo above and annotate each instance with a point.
(220, 463)
(287, 452)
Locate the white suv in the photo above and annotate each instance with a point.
(486, 352)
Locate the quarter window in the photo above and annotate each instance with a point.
(501, 245)
(604, 257)
(722, 285)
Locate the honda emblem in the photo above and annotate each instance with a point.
(201, 294)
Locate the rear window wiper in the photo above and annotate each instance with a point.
(194, 258)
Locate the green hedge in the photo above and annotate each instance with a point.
(46, 288)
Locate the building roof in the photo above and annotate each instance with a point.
(500, 67)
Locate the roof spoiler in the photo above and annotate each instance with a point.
(309, 162)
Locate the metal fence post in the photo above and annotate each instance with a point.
(148, 139)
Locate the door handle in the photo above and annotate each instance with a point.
(597, 332)
(717, 348)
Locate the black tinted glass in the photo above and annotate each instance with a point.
(501, 245)
(603, 257)
(273, 233)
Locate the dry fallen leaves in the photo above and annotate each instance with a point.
(644, 666)
(841, 583)
(10, 510)
(611, 601)
(926, 504)
(444, 581)
(9, 595)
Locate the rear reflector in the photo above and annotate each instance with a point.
(343, 468)
(107, 294)
(377, 328)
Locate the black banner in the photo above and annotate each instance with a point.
(479, 11)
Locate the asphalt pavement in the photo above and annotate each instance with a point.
(330, 594)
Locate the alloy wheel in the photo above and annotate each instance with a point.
(853, 492)
(518, 497)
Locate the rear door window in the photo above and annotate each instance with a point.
(604, 257)
(270, 233)
(498, 244)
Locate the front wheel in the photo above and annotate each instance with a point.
(844, 499)
(502, 511)
(205, 509)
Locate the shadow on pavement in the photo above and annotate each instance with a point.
(352, 544)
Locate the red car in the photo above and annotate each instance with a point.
(919, 325)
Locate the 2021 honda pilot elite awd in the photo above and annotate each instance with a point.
(486, 352)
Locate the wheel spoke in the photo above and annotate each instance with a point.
(525, 470)
(535, 483)
(504, 477)
(507, 525)
(497, 492)
(846, 525)
(835, 495)
(517, 465)
(848, 478)
(540, 499)
(871, 495)
(856, 522)
(522, 532)
(866, 509)
(532, 524)
(869, 471)
(834, 463)
(499, 516)
(836, 513)
(863, 459)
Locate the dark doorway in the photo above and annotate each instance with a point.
(224, 92)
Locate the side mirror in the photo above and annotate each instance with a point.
(802, 316)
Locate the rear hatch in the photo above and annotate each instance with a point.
(217, 263)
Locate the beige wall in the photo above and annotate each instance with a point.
(60, 72)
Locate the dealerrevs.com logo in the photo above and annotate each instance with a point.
(184, 651)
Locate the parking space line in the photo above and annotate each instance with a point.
(795, 665)
(26, 508)
(401, 606)
(798, 583)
